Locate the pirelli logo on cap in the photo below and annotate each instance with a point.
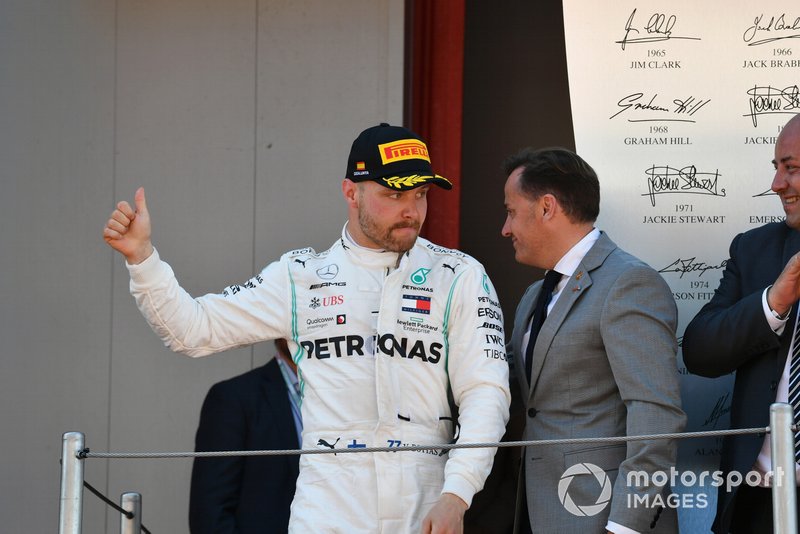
(403, 149)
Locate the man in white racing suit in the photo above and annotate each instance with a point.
(387, 329)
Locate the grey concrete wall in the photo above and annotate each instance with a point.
(236, 116)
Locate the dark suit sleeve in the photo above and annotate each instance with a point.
(216, 482)
(731, 329)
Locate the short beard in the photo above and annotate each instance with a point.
(387, 241)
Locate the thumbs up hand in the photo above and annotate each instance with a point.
(128, 231)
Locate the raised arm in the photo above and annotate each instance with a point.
(128, 231)
(733, 328)
(785, 292)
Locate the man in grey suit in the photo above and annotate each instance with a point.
(603, 362)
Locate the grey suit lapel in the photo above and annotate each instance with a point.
(577, 285)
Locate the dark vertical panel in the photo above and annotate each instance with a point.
(435, 47)
(516, 94)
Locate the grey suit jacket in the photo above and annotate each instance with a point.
(604, 364)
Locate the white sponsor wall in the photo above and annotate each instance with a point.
(677, 105)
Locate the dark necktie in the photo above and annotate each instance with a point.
(551, 280)
(794, 384)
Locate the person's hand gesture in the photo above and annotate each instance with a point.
(128, 231)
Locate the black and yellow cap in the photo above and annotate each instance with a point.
(393, 156)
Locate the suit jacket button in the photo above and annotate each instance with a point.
(532, 412)
(773, 385)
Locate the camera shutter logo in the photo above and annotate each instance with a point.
(584, 510)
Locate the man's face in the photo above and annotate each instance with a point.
(389, 219)
(787, 172)
(523, 223)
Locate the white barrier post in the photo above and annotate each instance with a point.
(131, 502)
(784, 488)
(71, 504)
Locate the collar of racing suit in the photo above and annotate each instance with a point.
(370, 257)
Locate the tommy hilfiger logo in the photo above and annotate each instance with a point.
(416, 304)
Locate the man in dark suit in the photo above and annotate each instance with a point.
(748, 327)
(252, 411)
(603, 364)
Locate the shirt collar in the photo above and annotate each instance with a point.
(570, 261)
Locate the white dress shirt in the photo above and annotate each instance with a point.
(764, 461)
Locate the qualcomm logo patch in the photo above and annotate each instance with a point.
(590, 509)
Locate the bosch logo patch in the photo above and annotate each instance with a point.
(492, 326)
